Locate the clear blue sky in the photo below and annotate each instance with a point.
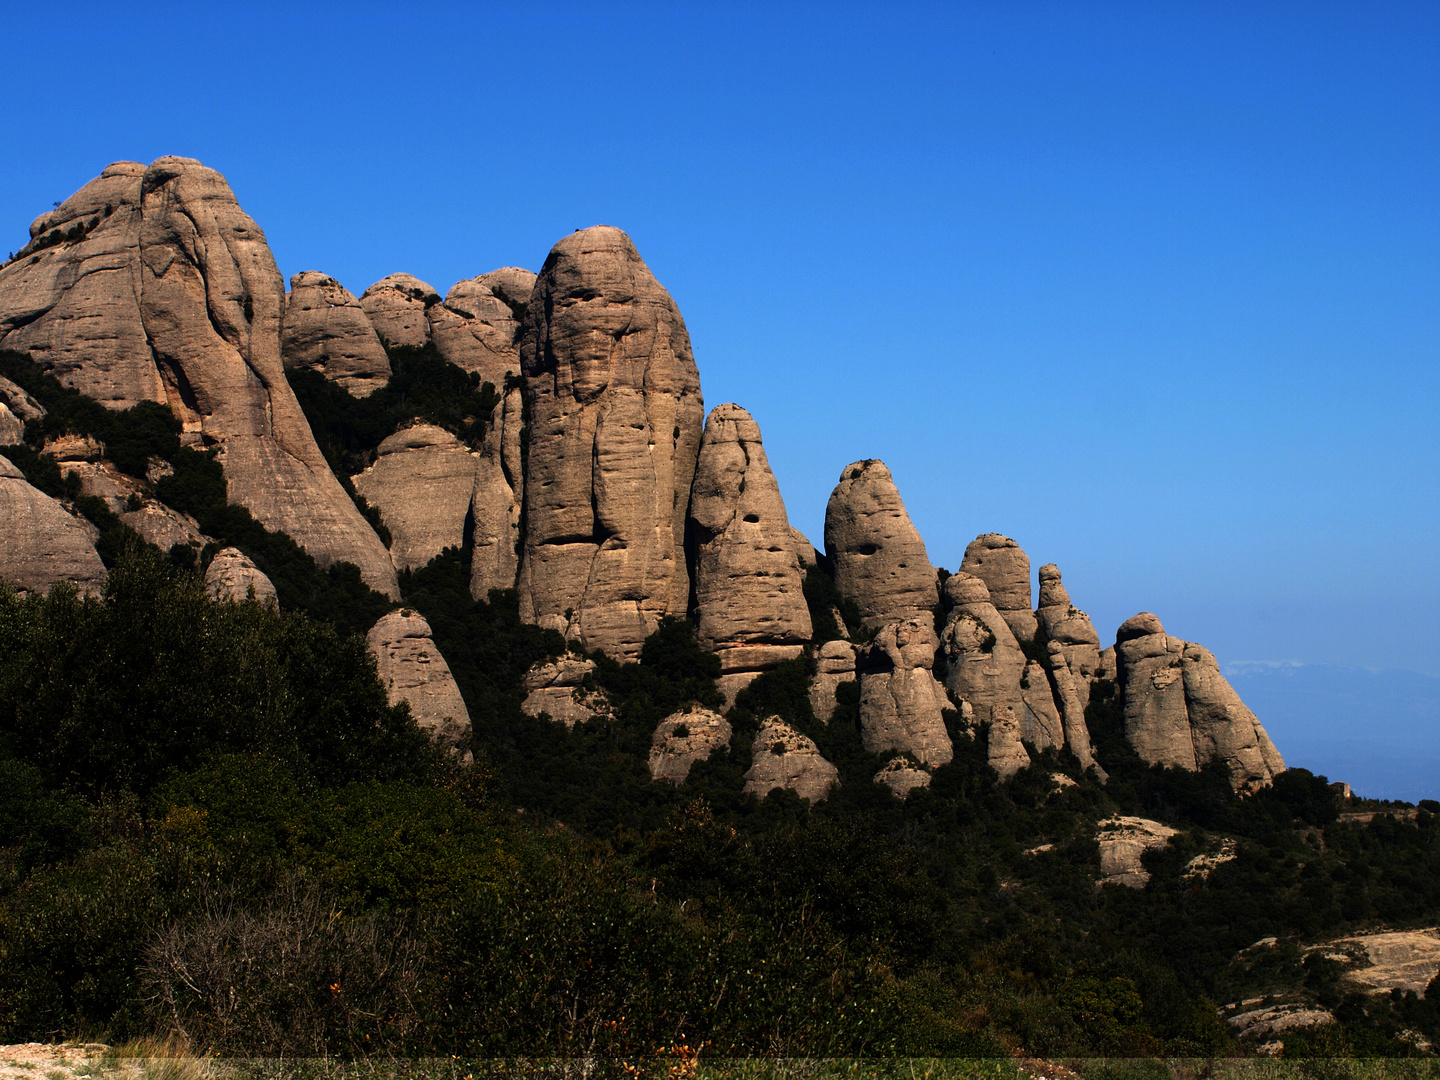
(1151, 288)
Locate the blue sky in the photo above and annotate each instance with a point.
(1151, 288)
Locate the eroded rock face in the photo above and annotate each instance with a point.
(232, 576)
(558, 689)
(682, 739)
(615, 427)
(40, 543)
(412, 670)
(835, 665)
(1042, 725)
(326, 330)
(395, 306)
(1072, 712)
(878, 556)
(478, 326)
(783, 758)
(902, 777)
(900, 701)
(1123, 843)
(422, 482)
(1005, 568)
(1181, 712)
(747, 577)
(495, 502)
(71, 297)
(984, 666)
(1063, 622)
(16, 409)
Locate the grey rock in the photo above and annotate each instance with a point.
(902, 777)
(835, 665)
(1221, 727)
(682, 739)
(1123, 844)
(748, 595)
(563, 690)
(412, 670)
(422, 482)
(16, 407)
(395, 306)
(900, 702)
(1063, 622)
(326, 330)
(615, 428)
(1042, 724)
(1157, 723)
(231, 575)
(878, 556)
(783, 758)
(1005, 568)
(984, 667)
(40, 543)
(1072, 712)
(496, 502)
(478, 326)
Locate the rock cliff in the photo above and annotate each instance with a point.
(615, 424)
(1005, 568)
(395, 306)
(326, 330)
(40, 543)
(421, 482)
(478, 326)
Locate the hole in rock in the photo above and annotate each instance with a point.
(752, 518)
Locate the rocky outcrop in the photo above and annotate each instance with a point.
(615, 424)
(902, 777)
(878, 556)
(422, 482)
(682, 739)
(1180, 711)
(564, 690)
(985, 665)
(127, 497)
(495, 502)
(17, 408)
(749, 605)
(232, 576)
(1042, 726)
(900, 702)
(1072, 712)
(412, 670)
(834, 665)
(326, 330)
(1123, 844)
(805, 552)
(40, 543)
(1005, 568)
(395, 306)
(1062, 622)
(478, 326)
(781, 757)
(72, 296)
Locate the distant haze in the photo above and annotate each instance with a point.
(1154, 289)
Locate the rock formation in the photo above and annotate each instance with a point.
(1072, 712)
(17, 408)
(1042, 725)
(395, 306)
(412, 670)
(783, 758)
(998, 561)
(496, 499)
(835, 664)
(878, 557)
(40, 543)
(478, 326)
(615, 423)
(422, 482)
(984, 666)
(1123, 844)
(902, 777)
(900, 701)
(1179, 710)
(682, 739)
(326, 330)
(805, 552)
(749, 605)
(1063, 622)
(564, 689)
(155, 522)
(72, 296)
(232, 576)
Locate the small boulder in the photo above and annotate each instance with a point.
(783, 758)
(232, 576)
(682, 739)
